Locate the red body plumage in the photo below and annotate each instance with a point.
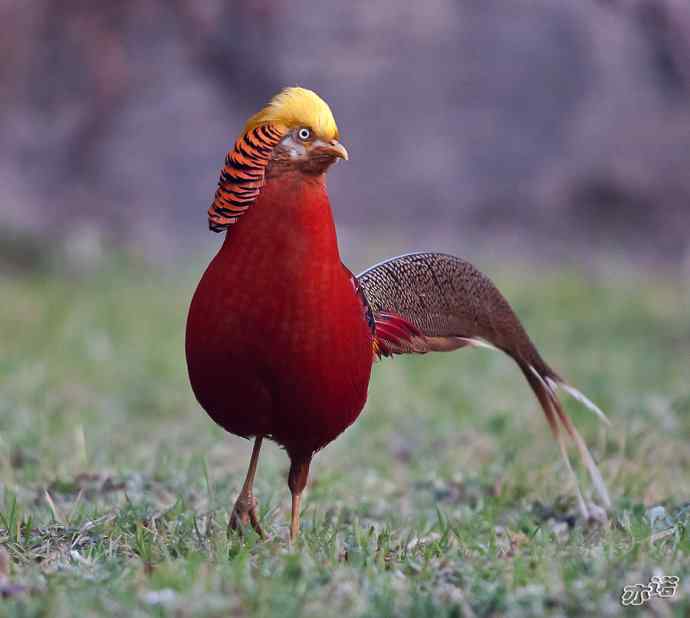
(277, 339)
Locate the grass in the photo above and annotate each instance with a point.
(446, 498)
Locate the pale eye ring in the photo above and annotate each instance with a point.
(304, 134)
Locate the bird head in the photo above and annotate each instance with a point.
(296, 131)
(309, 133)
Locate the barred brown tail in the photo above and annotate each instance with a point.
(423, 302)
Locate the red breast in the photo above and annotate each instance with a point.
(277, 341)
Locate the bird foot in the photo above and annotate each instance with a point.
(244, 513)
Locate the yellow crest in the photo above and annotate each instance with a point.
(297, 107)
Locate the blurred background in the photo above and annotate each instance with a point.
(547, 141)
(530, 128)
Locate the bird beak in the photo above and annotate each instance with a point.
(335, 149)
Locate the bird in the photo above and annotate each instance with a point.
(281, 336)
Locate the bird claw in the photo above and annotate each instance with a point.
(244, 513)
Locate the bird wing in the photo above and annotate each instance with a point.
(423, 302)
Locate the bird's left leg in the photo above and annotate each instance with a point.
(244, 510)
(297, 480)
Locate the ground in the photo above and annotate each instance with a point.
(446, 498)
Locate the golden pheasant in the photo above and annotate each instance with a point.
(281, 336)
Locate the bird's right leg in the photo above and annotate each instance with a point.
(297, 480)
(244, 511)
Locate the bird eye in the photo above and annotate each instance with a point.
(304, 134)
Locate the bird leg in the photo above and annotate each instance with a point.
(297, 480)
(294, 517)
(244, 511)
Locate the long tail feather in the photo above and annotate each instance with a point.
(579, 396)
(543, 386)
(478, 342)
(542, 392)
(586, 456)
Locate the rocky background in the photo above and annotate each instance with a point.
(544, 128)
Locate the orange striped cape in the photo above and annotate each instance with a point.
(242, 176)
